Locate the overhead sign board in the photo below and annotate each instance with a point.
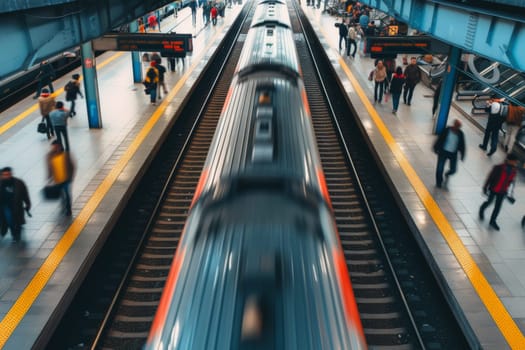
(177, 45)
(381, 46)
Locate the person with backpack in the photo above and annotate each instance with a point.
(72, 89)
(46, 103)
(494, 108)
(396, 87)
(150, 82)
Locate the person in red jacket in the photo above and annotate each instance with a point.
(214, 12)
(501, 177)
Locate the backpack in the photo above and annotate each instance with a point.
(151, 74)
(69, 86)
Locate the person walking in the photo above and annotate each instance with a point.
(45, 76)
(449, 143)
(46, 103)
(343, 33)
(494, 108)
(396, 87)
(151, 80)
(379, 76)
(59, 120)
(60, 171)
(513, 121)
(351, 41)
(72, 89)
(413, 76)
(14, 199)
(193, 7)
(500, 178)
(161, 71)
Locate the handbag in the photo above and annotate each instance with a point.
(51, 191)
(41, 128)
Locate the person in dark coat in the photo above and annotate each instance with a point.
(497, 186)
(413, 76)
(449, 143)
(72, 89)
(14, 199)
(45, 76)
(343, 33)
(396, 87)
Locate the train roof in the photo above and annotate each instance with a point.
(271, 12)
(266, 271)
(269, 47)
(265, 130)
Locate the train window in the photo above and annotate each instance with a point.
(269, 32)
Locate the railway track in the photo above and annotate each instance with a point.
(384, 297)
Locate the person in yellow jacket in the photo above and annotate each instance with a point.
(151, 80)
(60, 171)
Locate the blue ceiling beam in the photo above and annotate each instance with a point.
(496, 35)
(32, 35)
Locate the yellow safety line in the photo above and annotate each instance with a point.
(44, 273)
(34, 107)
(497, 310)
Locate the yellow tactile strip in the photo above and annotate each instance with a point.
(495, 307)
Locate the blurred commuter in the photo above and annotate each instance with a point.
(45, 76)
(449, 143)
(379, 76)
(142, 26)
(193, 7)
(351, 41)
(513, 121)
(413, 76)
(500, 179)
(59, 120)
(214, 12)
(494, 108)
(396, 87)
(152, 22)
(151, 81)
(343, 33)
(206, 8)
(162, 84)
(14, 199)
(47, 102)
(60, 170)
(72, 89)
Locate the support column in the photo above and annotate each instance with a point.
(89, 71)
(135, 56)
(447, 89)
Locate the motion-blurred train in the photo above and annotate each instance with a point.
(260, 265)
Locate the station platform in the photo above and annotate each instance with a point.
(480, 269)
(40, 272)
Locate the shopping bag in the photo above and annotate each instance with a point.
(51, 191)
(42, 128)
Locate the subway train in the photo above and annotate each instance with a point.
(259, 264)
(19, 85)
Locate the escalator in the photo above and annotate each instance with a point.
(484, 78)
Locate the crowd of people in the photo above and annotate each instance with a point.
(450, 144)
